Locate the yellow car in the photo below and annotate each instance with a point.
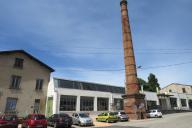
(107, 117)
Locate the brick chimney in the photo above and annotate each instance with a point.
(134, 103)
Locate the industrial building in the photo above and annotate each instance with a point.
(71, 95)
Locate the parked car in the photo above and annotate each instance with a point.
(82, 119)
(34, 121)
(8, 121)
(154, 113)
(107, 117)
(60, 120)
(122, 116)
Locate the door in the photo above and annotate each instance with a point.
(36, 106)
(50, 106)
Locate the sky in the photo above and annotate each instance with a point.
(82, 39)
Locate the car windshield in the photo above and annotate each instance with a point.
(111, 114)
(64, 115)
(122, 113)
(151, 111)
(83, 115)
(8, 117)
(38, 117)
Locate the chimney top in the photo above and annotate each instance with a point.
(123, 2)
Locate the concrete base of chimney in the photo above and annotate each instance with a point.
(134, 106)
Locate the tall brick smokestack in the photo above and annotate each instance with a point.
(129, 58)
(134, 103)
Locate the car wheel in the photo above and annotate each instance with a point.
(55, 125)
(69, 126)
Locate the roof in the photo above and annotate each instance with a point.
(29, 55)
(176, 84)
(82, 85)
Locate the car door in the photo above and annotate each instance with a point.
(76, 118)
(104, 116)
(25, 121)
(50, 120)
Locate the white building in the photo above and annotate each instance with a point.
(69, 95)
(180, 96)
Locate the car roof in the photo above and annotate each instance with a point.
(37, 114)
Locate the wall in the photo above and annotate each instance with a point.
(31, 71)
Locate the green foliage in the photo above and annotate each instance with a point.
(151, 84)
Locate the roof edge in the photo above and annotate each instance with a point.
(29, 55)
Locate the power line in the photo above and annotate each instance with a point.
(120, 53)
(165, 66)
(122, 69)
(118, 48)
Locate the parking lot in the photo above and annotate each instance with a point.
(178, 120)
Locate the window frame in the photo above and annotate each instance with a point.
(15, 82)
(9, 104)
(39, 84)
(19, 62)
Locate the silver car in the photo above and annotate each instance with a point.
(122, 116)
(155, 113)
(82, 119)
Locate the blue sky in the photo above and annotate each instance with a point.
(79, 37)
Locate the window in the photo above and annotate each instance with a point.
(68, 103)
(36, 106)
(18, 63)
(184, 91)
(86, 103)
(173, 102)
(11, 104)
(170, 90)
(102, 104)
(39, 84)
(15, 82)
(151, 104)
(183, 103)
(118, 104)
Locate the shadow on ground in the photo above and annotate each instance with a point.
(120, 127)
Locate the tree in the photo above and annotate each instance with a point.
(152, 83)
(142, 83)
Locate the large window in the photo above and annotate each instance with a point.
(173, 102)
(118, 103)
(36, 108)
(151, 104)
(18, 63)
(102, 104)
(183, 89)
(11, 105)
(183, 103)
(68, 103)
(86, 103)
(15, 82)
(39, 84)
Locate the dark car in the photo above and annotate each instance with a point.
(35, 121)
(60, 120)
(8, 121)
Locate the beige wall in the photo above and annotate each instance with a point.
(177, 88)
(27, 94)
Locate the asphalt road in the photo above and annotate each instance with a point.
(179, 120)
